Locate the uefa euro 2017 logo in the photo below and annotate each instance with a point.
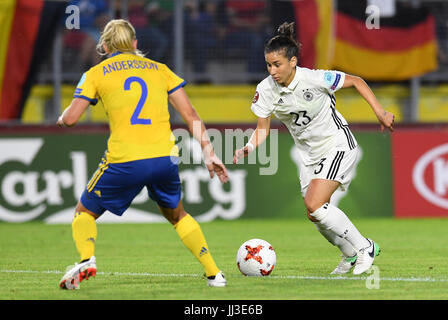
(72, 21)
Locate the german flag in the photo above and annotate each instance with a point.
(314, 21)
(404, 45)
(26, 40)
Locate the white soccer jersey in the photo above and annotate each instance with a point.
(307, 108)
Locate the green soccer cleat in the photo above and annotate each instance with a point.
(365, 257)
(347, 263)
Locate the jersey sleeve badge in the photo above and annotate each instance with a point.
(332, 79)
(256, 96)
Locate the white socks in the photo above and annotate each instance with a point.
(335, 224)
(343, 245)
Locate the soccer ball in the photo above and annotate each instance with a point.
(256, 257)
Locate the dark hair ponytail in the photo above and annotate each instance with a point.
(286, 29)
(284, 41)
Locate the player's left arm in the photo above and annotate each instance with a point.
(182, 104)
(385, 118)
(71, 115)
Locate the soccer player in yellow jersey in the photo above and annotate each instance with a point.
(140, 152)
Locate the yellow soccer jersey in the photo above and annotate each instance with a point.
(134, 92)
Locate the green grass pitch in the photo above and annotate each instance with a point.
(149, 262)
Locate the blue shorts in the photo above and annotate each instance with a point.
(114, 185)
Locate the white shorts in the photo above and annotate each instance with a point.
(336, 165)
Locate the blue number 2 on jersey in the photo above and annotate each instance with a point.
(127, 86)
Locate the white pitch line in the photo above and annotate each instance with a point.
(144, 274)
(362, 278)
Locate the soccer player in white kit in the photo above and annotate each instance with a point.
(303, 99)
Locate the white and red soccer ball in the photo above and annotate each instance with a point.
(256, 257)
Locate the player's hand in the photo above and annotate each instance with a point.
(386, 120)
(60, 122)
(215, 165)
(241, 153)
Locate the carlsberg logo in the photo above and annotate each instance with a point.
(21, 188)
(30, 188)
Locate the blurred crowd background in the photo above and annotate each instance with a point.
(217, 47)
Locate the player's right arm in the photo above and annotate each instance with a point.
(262, 108)
(71, 115)
(85, 94)
(258, 137)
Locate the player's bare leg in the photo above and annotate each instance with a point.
(318, 193)
(173, 215)
(191, 235)
(80, 208)
(337, 227)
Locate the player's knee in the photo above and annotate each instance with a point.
(310, 217)
(174, 216)
(319, 214)
(312, 204)
(181, 214)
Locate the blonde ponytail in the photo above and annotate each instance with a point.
(118, 36)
